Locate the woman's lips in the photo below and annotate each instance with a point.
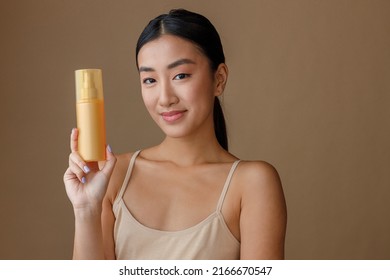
(172, 116)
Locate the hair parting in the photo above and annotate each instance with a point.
(199, 30)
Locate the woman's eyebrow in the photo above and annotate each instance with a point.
(145, 69)
(170, 66)
(180, 62)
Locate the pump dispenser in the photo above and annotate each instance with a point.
(90, 115)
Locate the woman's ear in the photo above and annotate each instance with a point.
(221, 76)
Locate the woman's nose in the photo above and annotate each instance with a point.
(167, 96)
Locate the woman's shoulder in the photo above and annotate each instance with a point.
(263, 211)
(257, 177)
(257, 170)
(122, 164)
(261, 190)
(119, 174)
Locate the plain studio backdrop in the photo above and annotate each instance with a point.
(308, 91)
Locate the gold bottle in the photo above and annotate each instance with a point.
(90, 115)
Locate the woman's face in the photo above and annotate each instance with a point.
(178, 86)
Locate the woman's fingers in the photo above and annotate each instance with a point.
(69, 175)
(74, 140)
(74, 150)
(78, 166)
(110, 162)
(76, 163)
(77, 171)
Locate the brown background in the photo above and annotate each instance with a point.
(309, 92)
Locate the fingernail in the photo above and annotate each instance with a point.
(86, 169)
(83, 180)
(109, 148)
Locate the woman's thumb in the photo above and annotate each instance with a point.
(110, 162)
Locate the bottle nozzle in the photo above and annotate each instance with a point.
(89, 84)
(87, 81)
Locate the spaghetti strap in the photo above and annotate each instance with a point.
(128, 174)
(226, 186)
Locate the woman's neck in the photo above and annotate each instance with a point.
(191, 151)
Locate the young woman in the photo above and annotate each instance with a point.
(188, 197)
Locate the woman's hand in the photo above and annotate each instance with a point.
(85, 183)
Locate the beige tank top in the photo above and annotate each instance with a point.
(208, 240)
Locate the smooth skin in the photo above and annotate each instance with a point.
(177, 183)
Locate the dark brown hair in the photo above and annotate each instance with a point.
(199, 30)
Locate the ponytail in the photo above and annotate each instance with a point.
(219, 125)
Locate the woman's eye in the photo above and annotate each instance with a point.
(181, 76)
(148, 81)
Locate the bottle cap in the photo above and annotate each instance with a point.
(89, 85)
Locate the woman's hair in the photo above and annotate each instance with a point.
(199, 30)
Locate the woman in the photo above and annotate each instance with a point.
(188, 197)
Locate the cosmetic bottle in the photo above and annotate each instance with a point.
(90, 115)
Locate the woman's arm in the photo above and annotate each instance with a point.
(108, 218)
(88, 238)
(86, 187)
(263, 216)
(108, 221)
